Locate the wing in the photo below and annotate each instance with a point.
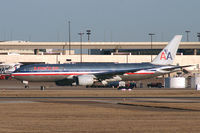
(176, 67)
(111, 74)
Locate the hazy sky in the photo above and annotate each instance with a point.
(109, 20)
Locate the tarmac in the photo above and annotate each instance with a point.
(177, 105)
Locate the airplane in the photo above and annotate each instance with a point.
(89, 73)
(7, 68)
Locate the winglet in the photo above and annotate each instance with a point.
(167, 55)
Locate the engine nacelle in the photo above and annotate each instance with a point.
(85, 80)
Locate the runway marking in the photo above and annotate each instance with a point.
(158, 107)
(18, 102)
(128, 101)
(182, 101)
(82, 97)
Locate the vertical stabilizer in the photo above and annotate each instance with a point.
(167, 55)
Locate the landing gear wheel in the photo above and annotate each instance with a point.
(26, 86)
(42, 88)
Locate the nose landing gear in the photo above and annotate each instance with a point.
(26, 84)
(42, 88)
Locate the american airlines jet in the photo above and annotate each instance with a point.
(8, 68)
(88, 73)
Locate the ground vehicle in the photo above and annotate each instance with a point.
(113, 84)
(156, 85)
(5, 76)
(129, 85)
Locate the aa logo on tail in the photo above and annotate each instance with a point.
(166, 55)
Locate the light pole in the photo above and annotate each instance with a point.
(187, 32)
(198, 35)
(88, 34)
(69, 38)
(151, 34)
(81, 34)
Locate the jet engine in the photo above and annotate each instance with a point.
(85, 80)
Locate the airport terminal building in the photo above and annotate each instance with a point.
(119, 52)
